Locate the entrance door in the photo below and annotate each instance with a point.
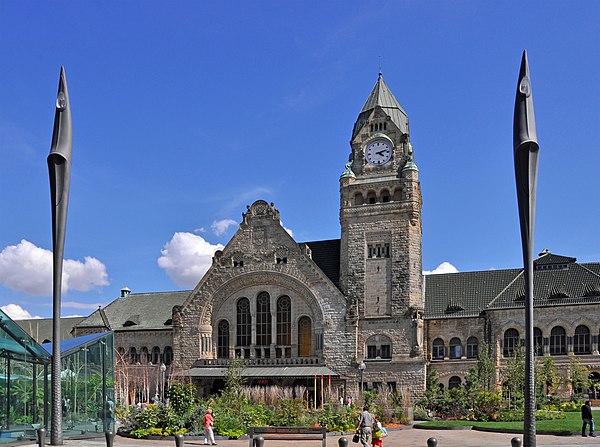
(304, 337)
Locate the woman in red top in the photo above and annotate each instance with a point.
(209, 436)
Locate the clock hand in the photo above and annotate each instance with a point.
(381, 153)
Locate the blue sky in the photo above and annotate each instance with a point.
(185, 112)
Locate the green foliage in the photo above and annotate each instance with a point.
(566, 407)
(513, 377)
(540, 415)
(487, 405)
(229, 426)
(546, 378)
(147, 418)
(140, 433)
(579, 377)
(289, 412)
(341, 421)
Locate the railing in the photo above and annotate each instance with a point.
(259, 361)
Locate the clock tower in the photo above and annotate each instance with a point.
(380, 262)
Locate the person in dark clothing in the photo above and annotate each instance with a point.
(586, 416)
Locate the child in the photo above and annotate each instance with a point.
(378, 433)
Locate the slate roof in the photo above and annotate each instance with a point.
(138, 311)
(40, 329)
(383, 97)
(557, 280)
(326, 254)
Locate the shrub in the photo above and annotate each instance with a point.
(486, 406)
(140, 433)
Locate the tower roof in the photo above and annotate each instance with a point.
(381, 96)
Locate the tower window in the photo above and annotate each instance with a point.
(385, 196)
(371, 197)
(358, 199)
(378, 250)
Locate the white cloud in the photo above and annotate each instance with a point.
(27, 268)
(16, 312)
(186, 258)
(444, 267)
(200, 230)
(219, 227)
(289, 231)
(79, 305)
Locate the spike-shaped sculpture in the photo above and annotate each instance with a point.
(526, 151)
(59, 168)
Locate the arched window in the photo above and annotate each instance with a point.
(144, 356)
(454, 382)
(121, 353)
(455, 348)
(371, 197)
(304, 337)
(156, 355)
(397, 195)
(511, 340)
(168, 357)
(379, 347)
(243, 323)
(358, 199)
(581, 341)
(284, 320)
(558, 341)
(538, 342)
(133, 356)
(223, 339)
(263, 319)
(437, 353)
(384, 196)
(472, 348)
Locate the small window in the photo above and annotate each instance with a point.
(454, 382)
(385, 196)
(358, 199)
(371, 197)
(472, 348)
(437, 353)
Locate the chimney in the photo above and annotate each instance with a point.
(125, 291)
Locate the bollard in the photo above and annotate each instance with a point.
(259, 441)
(179, 440)
(432, 442)
(343, 442)
(41, 436)
(110, 438)
(516, 442)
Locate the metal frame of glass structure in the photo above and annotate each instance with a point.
(87, 381)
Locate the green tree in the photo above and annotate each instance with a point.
(513, 376)
(546, 377)
(579, 375)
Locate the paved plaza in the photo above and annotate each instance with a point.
(406, 437)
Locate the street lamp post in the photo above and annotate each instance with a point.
(361, 368)
(163, 368)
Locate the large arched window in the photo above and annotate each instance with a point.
(156, 355)
(168, 356)
(243, 323)
(284, 320)
(223, 339)
(454, 382)
(437, 353)
(144, 355)
(133, 356)
(379, 347)
(455, 348)
(511, 340)
(581, 341)
(558, 341)
(304, 337)
(263, 319)
(472, 348)
(538, 342)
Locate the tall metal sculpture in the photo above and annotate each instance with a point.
(526, 151)
(59, 168)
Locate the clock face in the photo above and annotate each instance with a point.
(379, 152)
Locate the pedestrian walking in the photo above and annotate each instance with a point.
(587, 418)
(209, 420)
(365, 426)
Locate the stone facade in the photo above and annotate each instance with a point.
(298, 310)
